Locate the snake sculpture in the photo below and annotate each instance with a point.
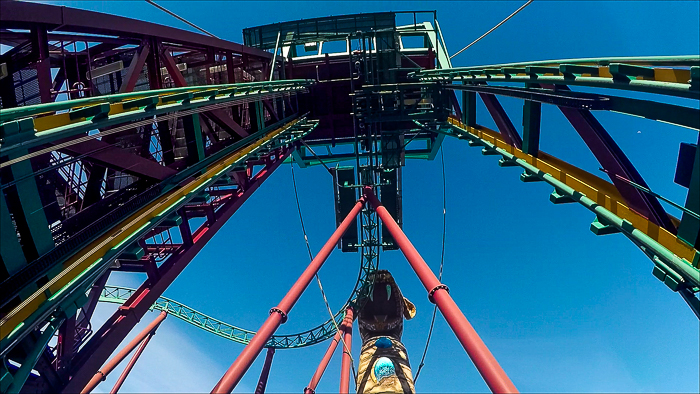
(384, 365)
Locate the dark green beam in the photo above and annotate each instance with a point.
(469, 108)
(532, 114)
(689, 229)
(11, 253)
(29, 216)
(193, 138)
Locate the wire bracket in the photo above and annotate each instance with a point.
(436, 288)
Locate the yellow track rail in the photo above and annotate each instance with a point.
(602, 192)
(125, 231)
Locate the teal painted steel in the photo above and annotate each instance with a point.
(671, 61)
(689, 228)
(245, 87)
(144, 116)
(79, 284)
(647, 244)
(11, 255)
(118, 295)
(666, 88)
(38, 239)
(32, 356)
(194, 138)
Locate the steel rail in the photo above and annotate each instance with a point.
(9, 114)
(119, 295)
(12, 285)
(31, 132)
(83, 266)
(683, 60)
(150, 119)
(670, 113)
(309, 337)
(575, 185)
(666, 88)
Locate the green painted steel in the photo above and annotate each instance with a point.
(532, 114)
(689, 228)
(9, 114)
(649, 246)
(11, 255)
(76, 288)
(667, 88)
(119, 295)
(688, 60)
(620, 68)
(33, 216)
(145, 115)
(20, 377)
(194, 138)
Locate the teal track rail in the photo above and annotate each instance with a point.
(119, 295)
(670, 75)
(10, 114)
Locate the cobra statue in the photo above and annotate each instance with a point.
(384, 366)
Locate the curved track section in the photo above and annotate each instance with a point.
(119, 295)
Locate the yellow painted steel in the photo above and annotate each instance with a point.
(53, 121)
(675, 75)
(602, 192)
(120, 234)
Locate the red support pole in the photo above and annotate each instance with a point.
(310, 389)
(131, 364)
(278, 315)
(347, 348)
(485, 363)
(262, 383)
(107, 368)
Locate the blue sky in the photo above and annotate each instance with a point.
(561, 309)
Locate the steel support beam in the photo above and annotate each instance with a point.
(614, 160)
(217, 115)
(532, 114)
(278, 315)
(28, 211)
(11, 255)
(265, 373)
(32, 357)
(127, 370)
(107, 368)
(19, 14)
(112, 156)
(117, 327)
(469, 108)
(689, 228)
(505, 126)
(311, 388)
(40, 45)
(347, 348)
(485, 363)
(194, 138)
(135, 67)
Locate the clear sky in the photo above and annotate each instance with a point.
(561, 309)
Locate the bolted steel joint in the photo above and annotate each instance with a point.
(436, 288)
(281, 312)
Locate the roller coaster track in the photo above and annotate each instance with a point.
(95, 257)
(96, 177)
(119, 295)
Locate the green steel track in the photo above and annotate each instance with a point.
(326, 330)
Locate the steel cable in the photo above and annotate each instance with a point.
(493, 28)
(442, 261)
(318, 280)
